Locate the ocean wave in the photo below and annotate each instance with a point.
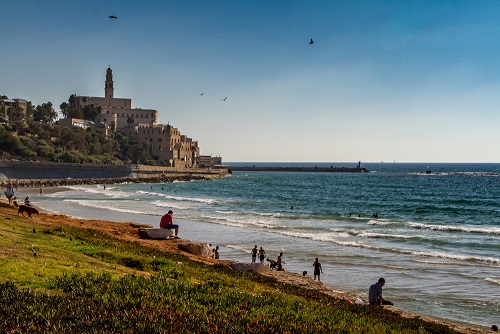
(99, 190)
(492, 280)
(385, 236)
(468, 258)
(448, 228)
(381, 222)
(477, 174)
(103, 205)
(177, 198)
(171, 205)
(244, 223)
(240, 248)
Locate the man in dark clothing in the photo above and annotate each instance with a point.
(375, 293)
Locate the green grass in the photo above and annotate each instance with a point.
(77, 280)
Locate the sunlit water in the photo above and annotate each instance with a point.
(436, 238)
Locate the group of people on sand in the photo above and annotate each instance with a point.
(374, 293)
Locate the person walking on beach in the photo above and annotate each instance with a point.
(279, 262)
(262, 255)
(9, 193)
(167, 222)
(317, 269)
(375, 293)
(254, 254)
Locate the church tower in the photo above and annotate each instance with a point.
(108, 84)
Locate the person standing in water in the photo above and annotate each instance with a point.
(254, 254)
(262, 255)
(317, 269)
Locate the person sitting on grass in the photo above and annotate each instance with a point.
(167, 222)
(375, 293)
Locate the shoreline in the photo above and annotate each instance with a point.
(129, 231)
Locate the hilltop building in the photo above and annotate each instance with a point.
(7, 104)
(163, 141)
(116, 112)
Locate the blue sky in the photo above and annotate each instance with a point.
(411, 81)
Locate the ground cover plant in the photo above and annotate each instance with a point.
(73, 280)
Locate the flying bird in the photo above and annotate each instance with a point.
(113, 17)
(311, 42)
(224, 99)
(201, 93)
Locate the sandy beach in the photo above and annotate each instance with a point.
(129, 231)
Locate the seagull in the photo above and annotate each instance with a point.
(311, 42)
(224, 99)
(201, 93)
(113, 17)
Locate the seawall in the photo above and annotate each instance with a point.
(46, 173)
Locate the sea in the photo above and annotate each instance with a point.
(432, 230)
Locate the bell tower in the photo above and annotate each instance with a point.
(108, 84)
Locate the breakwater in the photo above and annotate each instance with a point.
(23, 173)
(330, 169)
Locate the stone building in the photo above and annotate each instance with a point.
(7, 104)
(163, 141)
(116, 112)
(207, 161)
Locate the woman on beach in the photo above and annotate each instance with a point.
(9, 193)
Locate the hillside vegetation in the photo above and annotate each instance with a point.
(55, 277)
(34, 134)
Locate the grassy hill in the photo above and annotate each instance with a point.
(57, 277)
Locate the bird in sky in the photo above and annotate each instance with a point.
(224, 99)
(113, 17)
(311, 42)
(202, 93)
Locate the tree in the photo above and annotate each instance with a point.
(16, 114)
(74, 113)
(64, 107)
(44, 113)
(90, 112)
(30, 110)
